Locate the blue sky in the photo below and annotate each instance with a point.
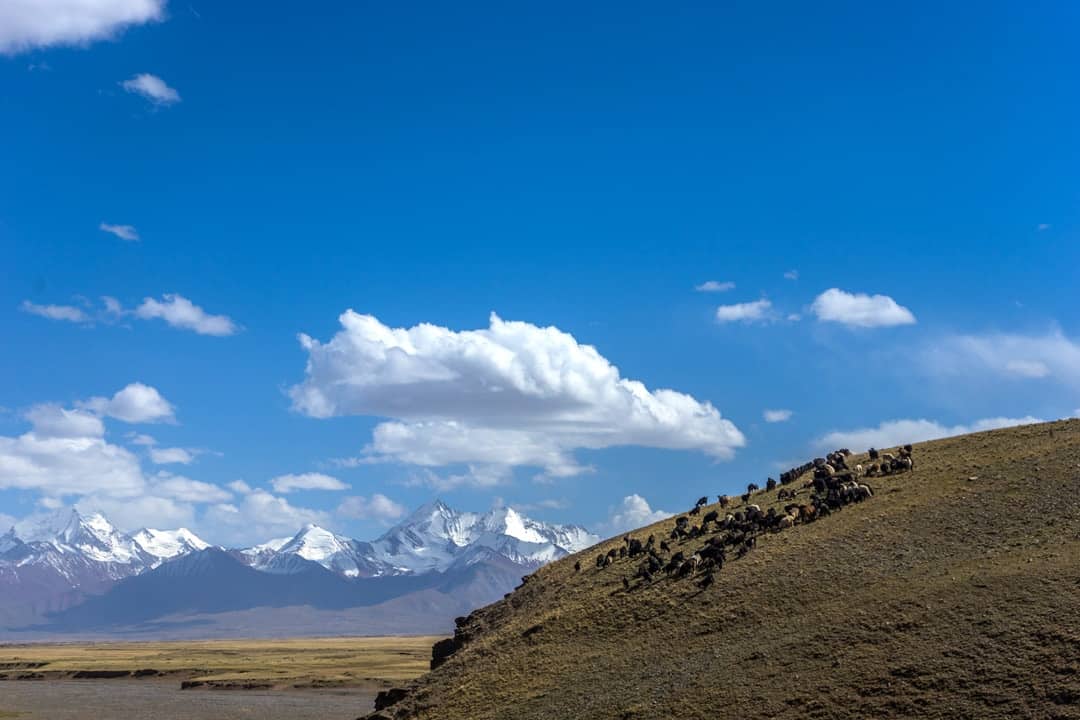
(578, 168)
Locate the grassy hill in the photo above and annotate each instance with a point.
(953, 593)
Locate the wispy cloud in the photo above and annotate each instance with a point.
(124, 232)
(67, 313)
(180, 312)
(152, 88)
(285, 484)
(715, 286)
(748, 312)
(791, 275)
(377, 507)
(28, 24)
(897, 432)
(860, 310)
(777, 416)
(1050, 355)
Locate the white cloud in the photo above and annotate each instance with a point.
(53, 421)
(152, 88)
(136, 403)
(860, 310)
(632, 513)
(378, 507)
(139, 439)
(777, 416)
(259, 515)
(68, 313)
(239, 487)
(185, 489)
(60, 466)
(285, 484)
(124, 232)
(131, 514)
(1043, 226)
(170, 456)
(714, 286)
(1048, 355)
(180, 312)
(112, 306)
(512, 394)
(747, 312)
(897, 432)
(791, 275)
(27, 24)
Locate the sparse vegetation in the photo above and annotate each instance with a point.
(304, 662)
(953, 593)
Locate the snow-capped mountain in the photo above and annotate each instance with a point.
(336, 553)
(436, 535)
(68, 541)
(54, 562)
(165, 545)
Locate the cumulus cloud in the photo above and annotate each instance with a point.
(747, 312)
(27, 24)
(52, 460)
(180, 312)
(512, 394)
(239, 487)
(898, 432)
(860, 310)
(260, 515)
(172, 456)
(777, 416)
(285, 484)
(53, 421)
(632, 513)
(68, 313)
(377, 507)
(1047, 355)
(152, 88)
(714, 286)
(185, 489)
(136, 403)
(124, 232)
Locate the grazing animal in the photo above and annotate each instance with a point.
(752, 488)
(707, 581)
(696, 510)
(873, 454)
(711, 516)
(600, 561)
(770, 484)
(577, 566)
(746, 498)
(664, 546)
(704, 500)
(723, 500)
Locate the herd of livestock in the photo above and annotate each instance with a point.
(735, 527)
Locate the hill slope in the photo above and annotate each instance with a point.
(953, 593)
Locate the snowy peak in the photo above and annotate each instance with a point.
(319, 545)
(436, 536)
(91, 536)
(166, 544)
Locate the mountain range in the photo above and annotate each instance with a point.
(75, 573)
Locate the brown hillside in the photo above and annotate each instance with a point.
(953, 593)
